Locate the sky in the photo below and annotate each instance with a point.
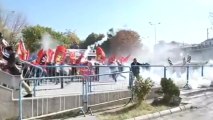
(184, 21)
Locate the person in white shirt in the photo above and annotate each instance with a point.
(113, 67)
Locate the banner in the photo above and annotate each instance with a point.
(124, 59)
(100, 55)
(42, 57)
(50, 54)
(72, 58)
(22, 52)
(60, 54)
(111, 59)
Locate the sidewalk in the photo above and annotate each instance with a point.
(88, 117)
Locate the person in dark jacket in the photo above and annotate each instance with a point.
(135, 68)
(11, 61)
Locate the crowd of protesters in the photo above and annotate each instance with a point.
(10, 62)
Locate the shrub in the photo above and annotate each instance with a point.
(141, 88)
(169, 90)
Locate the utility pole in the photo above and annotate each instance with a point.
(155, 29)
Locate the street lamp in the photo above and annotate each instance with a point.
(155, 24)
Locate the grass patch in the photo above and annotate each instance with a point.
(131, 111)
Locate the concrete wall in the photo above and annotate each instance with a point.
(109, 99)
(8, 108)
(40, 106)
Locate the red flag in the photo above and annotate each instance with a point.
(100, 54)
(21, 51)
(124, 59)
(72, 58)
(27, 55)
(42, 57)
(78, 61)
(60, 54)
(50, 54)
(111, 58)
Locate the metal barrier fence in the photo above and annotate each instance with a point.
(103, 93)
(51, 73)
(41, 102)
(46, 104)
(176, 72)
(12, 81)
(96, 89)
(107, 76)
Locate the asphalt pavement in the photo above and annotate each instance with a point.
(202, 110)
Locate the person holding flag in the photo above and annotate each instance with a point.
(22, 52)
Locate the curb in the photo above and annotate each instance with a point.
(197, 92)
(162, 113)
(200, 95)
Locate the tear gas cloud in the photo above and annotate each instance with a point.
(48, 42)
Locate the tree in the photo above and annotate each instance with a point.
(125, 42)
(106, 44)
(11, 24)
(33, 34)
(72, 37)
(91, 39)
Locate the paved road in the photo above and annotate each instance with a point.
(203, 110)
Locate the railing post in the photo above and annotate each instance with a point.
(187, 86)
(84, 97)
(130, 80)
(187, 74)
(87, 86)
(90, 85)
(61, 74)
(202, 71)
(164, 71)
(20, 101)
(34, 87)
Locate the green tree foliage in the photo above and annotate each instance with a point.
(125, 42)
(106, 44)
(169, 89)
(33, 34)
(72, 37)
(91, 39)
(106, 47)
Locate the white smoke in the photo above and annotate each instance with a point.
(100, 42)
(180, 79)
(48, 42)
(160, 55)
(91, 47)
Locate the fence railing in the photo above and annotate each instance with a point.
(40, 103)
(114, 91)
(97, 88)
(179, 70)
(45, 105)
